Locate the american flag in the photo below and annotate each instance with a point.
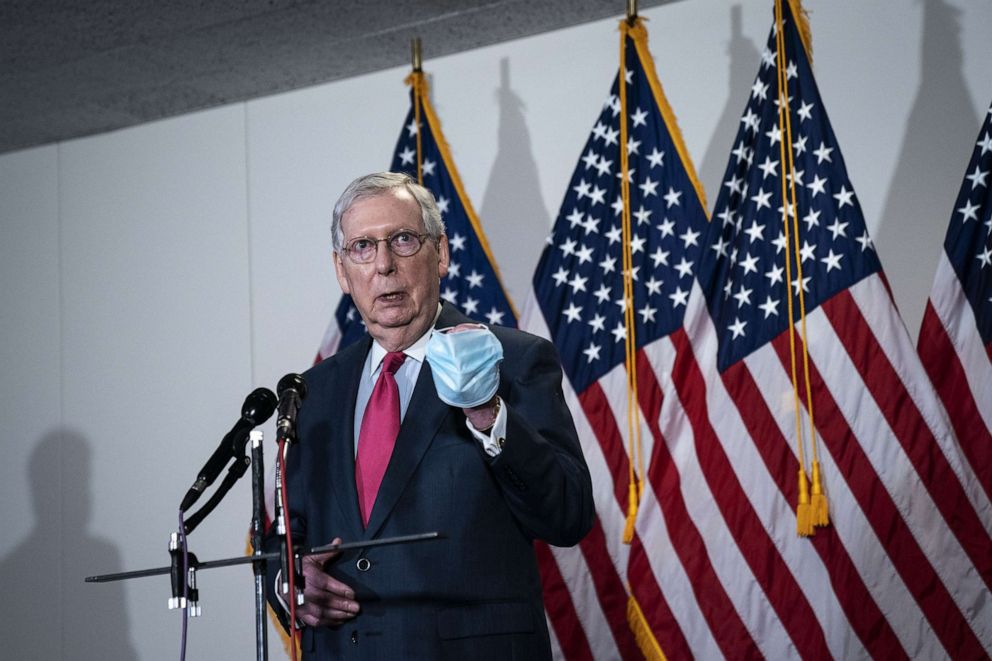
(716, 567)
(579, 303)
(473, 283)
(956, 336)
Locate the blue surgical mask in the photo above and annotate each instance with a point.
(465, 365)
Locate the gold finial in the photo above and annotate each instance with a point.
(415, 48)
(631, 11)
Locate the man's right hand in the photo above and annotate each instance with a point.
(326, 600)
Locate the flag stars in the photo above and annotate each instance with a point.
(690, 238)
(442, 204)
(774, 135)
(679, 297)
(450, 295)
(767, 58)
(617, 205)
(977, 177)
(474, 279)
(428, 167)
(597, 196)
(578, 283)
(750, 264)
(494, 316)
(584, 254)
(743, 296)
(865, 241)
(599, 131)
(779, 243)
(654, 286)
(799, 146)
(656, 157)
(795, 285)
(759, 90)
(614, 234)
(832, 261)
(761, 199)
(568, 247)
(649, 187)
(643, 216)
(406, 156)
(791, 71)
(672, 197)
(838, 229)
(597, 323)
(720, 247)
(985, 143)
(968, 212)
(985, 257)
(591, 159)
(619, 333)
(633, 145)
(591, 226)
(639, 118)
(812, 219)
(822, 153)
(684, 268)
(471, 306)
(751, 121)
(647, 314)
(609, 265)
(457, 242)
(660, 257)
(769, 307)
(667, 228)
(816, 186)
(411, 128)
(611, 137)
(603, 167)
(637, 244)
(560, 276)
(602, 294)
(737, 328)
(844, 197)
(768, 168)
(755, 231)
(805, 111)
(575, 218)
(581, 189)
(591, 352)
(806, 252)
(573, 312)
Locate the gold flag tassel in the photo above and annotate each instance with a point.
(418, 84)
(636, 463)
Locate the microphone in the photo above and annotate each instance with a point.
(258, 408)
(292, 391)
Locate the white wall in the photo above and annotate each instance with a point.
(153, 276)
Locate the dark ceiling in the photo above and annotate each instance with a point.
(75, 67)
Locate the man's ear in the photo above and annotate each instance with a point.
(443, 258)
(340, 272)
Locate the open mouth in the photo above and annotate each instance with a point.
(391, 297)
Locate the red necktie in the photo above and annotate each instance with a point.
(377, 436)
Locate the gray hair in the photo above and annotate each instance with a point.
(379, 183)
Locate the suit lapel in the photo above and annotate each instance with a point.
(341, 471)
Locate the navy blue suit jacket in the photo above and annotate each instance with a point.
(476, 592)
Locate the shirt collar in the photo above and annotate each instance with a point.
(417, 350)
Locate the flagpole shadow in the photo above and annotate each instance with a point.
(51, 613)
(743, 56)
(939, 137)
(513, 213)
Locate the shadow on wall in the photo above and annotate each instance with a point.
(940, 134)
(743, 60)
(50, 612)
(513, 214)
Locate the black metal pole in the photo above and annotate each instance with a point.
(257, 531)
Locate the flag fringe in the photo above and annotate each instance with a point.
(628, 528)
(642, 632)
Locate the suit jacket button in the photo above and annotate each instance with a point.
(363, 564)
(354, 637)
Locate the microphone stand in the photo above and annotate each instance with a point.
(259, 558)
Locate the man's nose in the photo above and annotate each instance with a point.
(385, 260)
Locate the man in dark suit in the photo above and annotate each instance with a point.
(491, 471)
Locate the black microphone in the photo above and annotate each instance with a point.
(292, 391)
(258, 407)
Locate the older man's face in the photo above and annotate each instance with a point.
(396, 296)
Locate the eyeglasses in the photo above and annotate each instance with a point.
(402, 243)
